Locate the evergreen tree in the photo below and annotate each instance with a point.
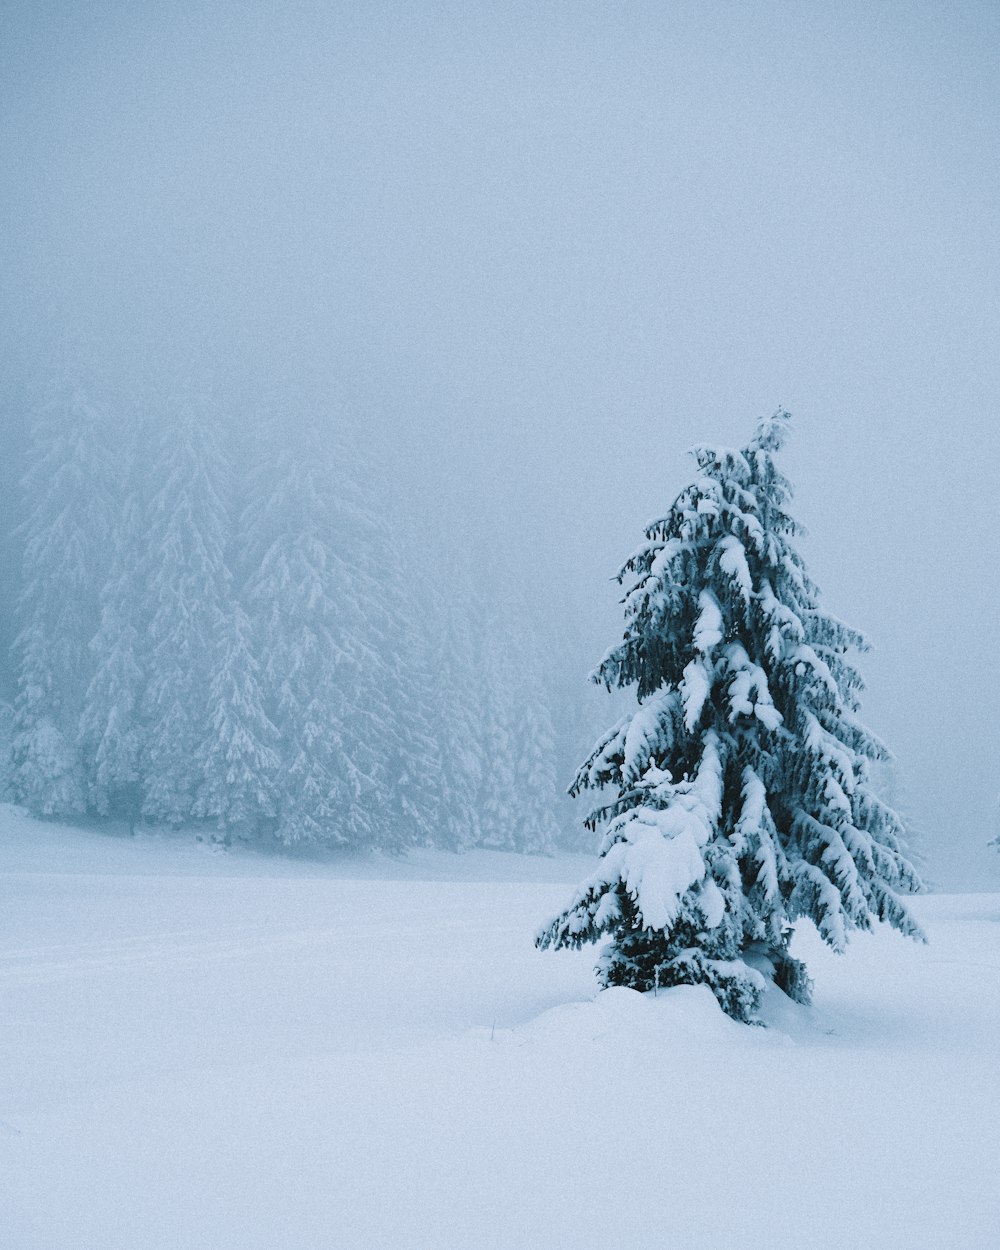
(578, 713)
(238, 760)
(456, 710)
(519, 790)
(6, 751)
(500, 799)
(186, 584)
(111, 736)
(65, 537)
(307, 611)
(537, 826)
(412, 762)
(741, 780)
(383, 696)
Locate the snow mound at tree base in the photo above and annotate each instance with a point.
(673, 1018)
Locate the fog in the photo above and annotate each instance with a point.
(543, 249)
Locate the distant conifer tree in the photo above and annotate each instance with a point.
(111, 733)
(307, 598)
(538, 787)
(456, 714)
(238, 760)
(411, 758)
(185, 584)
(499, 794)
(66, 550)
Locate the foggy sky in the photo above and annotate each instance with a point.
(549, 246)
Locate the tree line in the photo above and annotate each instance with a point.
(225, 623)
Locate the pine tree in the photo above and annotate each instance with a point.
(578, 712)
(537, 826)
(238, 760)
(186, 584)
(6, 751)
(308, 615)
(519, 789)
(111, 733)
(499, 796)
(741, 780)
(383, 696)
(65, 536)
(411, 763)
(455, 712)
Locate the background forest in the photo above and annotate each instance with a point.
(231, 621)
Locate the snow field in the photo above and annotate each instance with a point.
(202, 1052)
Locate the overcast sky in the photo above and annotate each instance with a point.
(551, 245)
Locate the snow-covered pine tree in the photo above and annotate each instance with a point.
(519, 789)
(456, 712)
(6, 760)
(306, 610)
(500, 799)
(741, 779)
(65, 537)
(535, 773)
(529, 776)
(111, 735)
(382, 695)
(186, 584)
(238, 760)
(410, 755)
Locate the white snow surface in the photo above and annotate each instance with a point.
(208, 1051)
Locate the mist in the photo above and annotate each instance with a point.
(541, 250)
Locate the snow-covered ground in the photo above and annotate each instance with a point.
(206, 1051)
